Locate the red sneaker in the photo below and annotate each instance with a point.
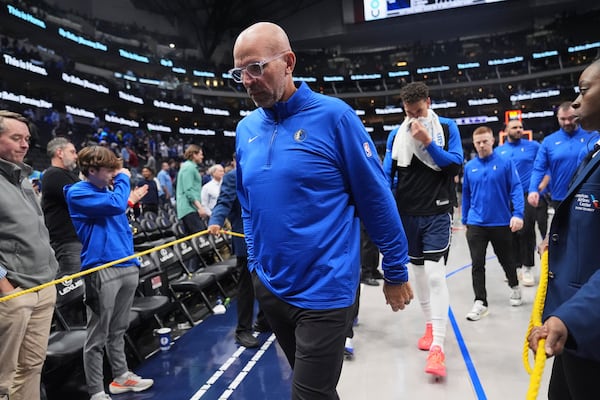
(424, 342)
(435, 362)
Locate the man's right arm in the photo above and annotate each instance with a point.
(540, 166)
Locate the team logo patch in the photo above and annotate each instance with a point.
(367, 148)
(300, 135)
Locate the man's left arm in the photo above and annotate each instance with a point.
(370, 192)
(449, 160)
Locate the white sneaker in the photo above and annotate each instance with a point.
(478, 311)
(129, 383)
(515, 297)
(527, 278)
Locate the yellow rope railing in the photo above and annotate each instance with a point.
(536, 320)
(110, 264)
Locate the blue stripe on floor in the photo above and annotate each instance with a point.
(475, 381)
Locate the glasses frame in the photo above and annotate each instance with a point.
(260, 64)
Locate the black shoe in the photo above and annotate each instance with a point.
(246, 339)
(370, 281)
(261, 326)
(376, 274)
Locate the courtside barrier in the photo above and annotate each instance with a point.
(110, 264)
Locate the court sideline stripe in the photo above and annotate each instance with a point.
(475, 381)
(225, 366)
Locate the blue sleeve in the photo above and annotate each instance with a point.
(581, 314)
(516, 192)
(225, 201)
(374, 201)
(95, 203)
(387, 159)
(540, 167)
(453, 157)
(466, 196)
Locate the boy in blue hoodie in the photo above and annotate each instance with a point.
(97, 207)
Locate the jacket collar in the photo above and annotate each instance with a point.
(14, 172)
(283, 109)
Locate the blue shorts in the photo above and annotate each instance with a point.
(428, 236)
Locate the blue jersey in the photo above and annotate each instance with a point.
(492, 192)
(522, 153)
(306, 169)
(559, 156)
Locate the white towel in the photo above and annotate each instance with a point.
(405, 146)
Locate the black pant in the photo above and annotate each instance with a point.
(524, 239)
(369, 254)
(573, 378)
(312, 340)
(245, 303)
(541, 216)
(478, 238)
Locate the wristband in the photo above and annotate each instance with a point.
(130, 203)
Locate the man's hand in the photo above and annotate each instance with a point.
(138, 193)
(397, 296)
(533, 198)
(542, 247)
(214, 229)
(516, 224)
(6, 286)
(418, 131)
(554, 331)
(124, 171)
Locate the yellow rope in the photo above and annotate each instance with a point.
(110, 264)
(536, 320)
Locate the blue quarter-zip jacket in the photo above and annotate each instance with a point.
(522, 153)
(492, 192)
(306, 169)
(558, 155)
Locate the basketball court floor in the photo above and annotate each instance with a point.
(483, 358)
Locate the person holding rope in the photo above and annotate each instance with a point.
(97, 207)
(571, 317)
(26, 261)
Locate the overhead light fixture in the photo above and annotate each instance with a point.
(172, 45)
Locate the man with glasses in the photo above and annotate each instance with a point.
(306, 168)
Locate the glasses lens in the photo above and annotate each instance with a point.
(255, 69)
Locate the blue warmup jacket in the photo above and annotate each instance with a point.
(306, 169)
(492, 192)
(558, 155)
(574, 264)
(100, 221)
(522, 153)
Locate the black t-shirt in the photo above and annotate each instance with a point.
(54, 205)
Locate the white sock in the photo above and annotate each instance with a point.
(422, 289)
(98, 395)
(439, 298)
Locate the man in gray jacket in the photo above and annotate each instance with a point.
(26, 261)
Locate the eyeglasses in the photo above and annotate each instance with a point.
(255, 69)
